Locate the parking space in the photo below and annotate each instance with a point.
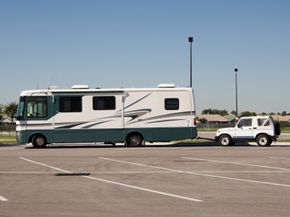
(179, 180)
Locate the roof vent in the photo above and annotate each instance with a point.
(53, 87)
(80, 86)
(166, 86)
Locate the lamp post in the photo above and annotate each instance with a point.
(236, 85)
(190, 40)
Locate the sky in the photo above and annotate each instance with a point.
(142, 43)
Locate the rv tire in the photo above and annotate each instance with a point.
(134, 140)
(39, 141)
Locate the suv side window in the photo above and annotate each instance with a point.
(267, 123)
(261, 121)
(245, 123)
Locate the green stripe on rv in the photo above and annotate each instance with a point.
(108, 135)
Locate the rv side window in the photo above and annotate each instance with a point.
(70, 104)
(36, 107)
(104, 103)
(171, 104)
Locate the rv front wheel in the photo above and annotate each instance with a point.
(134, 140)
(39, 141)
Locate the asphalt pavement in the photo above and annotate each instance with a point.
(183, 179)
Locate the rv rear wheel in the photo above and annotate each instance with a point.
(39, 141)
(134, 140)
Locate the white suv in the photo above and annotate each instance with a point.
(261, 129)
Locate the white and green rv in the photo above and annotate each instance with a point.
(84, 115)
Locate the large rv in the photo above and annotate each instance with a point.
(84, 115)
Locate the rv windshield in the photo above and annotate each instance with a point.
(36, 107)
(20, 109)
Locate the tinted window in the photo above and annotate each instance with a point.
(104, 103)
(171, 104)
(36, 107)
(70, 104)
(261, 121)
(20, 108)
(245, 123)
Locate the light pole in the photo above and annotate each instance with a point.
(190, 40)
(236, 85)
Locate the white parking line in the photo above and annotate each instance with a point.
(281, 158)
(144, 189)
(3, 199)
(117, 183)
(198, 174)
(236, 163)
(45, 165)
(148, 172)
(104, 172)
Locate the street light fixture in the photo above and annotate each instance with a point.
(190, 40)
(236, 85)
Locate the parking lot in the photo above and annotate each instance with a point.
(183, 179)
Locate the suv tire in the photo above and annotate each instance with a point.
(225, 140)
(263, 140)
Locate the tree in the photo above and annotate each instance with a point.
(1, 112)
(234, 113)
(10, 110)
(202, 120)
(215, 112)
(248, 113)
(263, 113)
(284, 113)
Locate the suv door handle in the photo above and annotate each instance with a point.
(254, 128)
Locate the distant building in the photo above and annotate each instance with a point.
(5, 124)
(281, 118)
(215, 119)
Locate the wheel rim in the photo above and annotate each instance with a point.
(134, 140)
(263, 140)
(39, 141)
(225, 141)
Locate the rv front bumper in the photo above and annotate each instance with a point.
(21, 137)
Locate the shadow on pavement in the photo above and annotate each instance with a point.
(148, 145)
(10, 145)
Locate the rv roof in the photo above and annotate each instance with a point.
(112, 90)
(166, 85)
(80, 86)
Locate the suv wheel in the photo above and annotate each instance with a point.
(225, 140)
(263, 140)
